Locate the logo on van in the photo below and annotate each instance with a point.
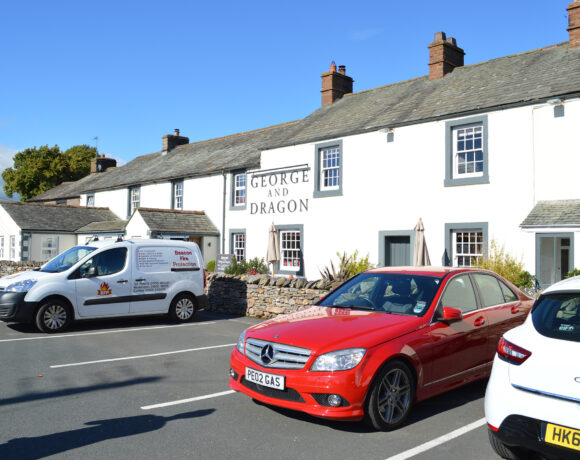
(104, 289)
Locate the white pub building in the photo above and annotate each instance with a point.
(483, 151)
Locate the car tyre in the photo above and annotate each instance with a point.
(182, 309)
(391, 397)
(54, 315)
(507, 452)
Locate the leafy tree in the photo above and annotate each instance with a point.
(36, 170)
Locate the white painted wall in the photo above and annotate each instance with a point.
(8, 228)
(136, 227)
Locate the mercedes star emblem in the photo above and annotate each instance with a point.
(267, 354)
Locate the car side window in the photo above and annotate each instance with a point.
(508, 294)
(491, 293)
(459, 294)
(107, 262)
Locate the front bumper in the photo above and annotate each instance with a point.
(305, 390)
(13, 307)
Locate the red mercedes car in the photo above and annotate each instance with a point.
(385, 339)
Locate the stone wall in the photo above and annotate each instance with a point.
(8, 267)
(262, 296)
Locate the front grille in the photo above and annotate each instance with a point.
(283, 356)
(289, 394)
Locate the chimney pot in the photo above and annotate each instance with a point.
(342, 69)
(176, 132)
(333, 66)
(439, 36)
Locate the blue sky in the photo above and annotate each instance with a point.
(131, 71)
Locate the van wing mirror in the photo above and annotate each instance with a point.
(91, 272)
(451, 314)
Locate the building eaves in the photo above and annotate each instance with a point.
(561, 213)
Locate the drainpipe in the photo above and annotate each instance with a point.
(223, 215)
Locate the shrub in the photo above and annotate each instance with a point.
(348, 266)
(502, 263)
(573, 273)
(525, 280)
(210, 267)
(253, 266)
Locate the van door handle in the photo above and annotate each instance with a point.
(479, 321)
(140, 279)
(122, 281)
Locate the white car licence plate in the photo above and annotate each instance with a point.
(264, 379)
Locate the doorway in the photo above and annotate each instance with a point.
(554, 257)
(396, 248)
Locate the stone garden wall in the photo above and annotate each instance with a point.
(8, 267)
(262, 296)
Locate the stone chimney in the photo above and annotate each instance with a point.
(101, 164)
(574, 24)
(444, 56)
(335, 84)
(170, 141)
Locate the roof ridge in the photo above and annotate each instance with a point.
(60, 206)
(172, 211)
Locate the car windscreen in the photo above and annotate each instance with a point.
(67, 259)
(557, 316)
(395, 293)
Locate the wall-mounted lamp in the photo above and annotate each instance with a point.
(555, 101)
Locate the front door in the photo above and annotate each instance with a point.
(554, 254)
(397, 251)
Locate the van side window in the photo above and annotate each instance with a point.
(107, 262)
(459, 294)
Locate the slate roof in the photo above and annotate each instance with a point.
(67, 189)
(54, 218)
(109, 226)
(177, 222)
(563, 213)
(513, 80)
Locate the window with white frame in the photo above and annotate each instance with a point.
(178, 195)
(49, 247)
(239, 189)
(134, 199)
(468, 247)
(90, 200)
(328, 169)
(239, 246)
(1, 247)
(290, 250)
(468, 151)
(466, 160)
(12, 247)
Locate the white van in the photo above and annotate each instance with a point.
(108, 279)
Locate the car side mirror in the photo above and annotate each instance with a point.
(451, 314)
(91, 272)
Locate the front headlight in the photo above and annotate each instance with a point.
(340, 360)
(240, 344)
(21, 286)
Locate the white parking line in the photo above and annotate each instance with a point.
(437, 441)
(141, 356)
(64, 336)
(183, 401)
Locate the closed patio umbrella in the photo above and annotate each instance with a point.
(420, 253)
(273, 254)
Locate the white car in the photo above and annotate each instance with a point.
(532, 402)
(108, 279)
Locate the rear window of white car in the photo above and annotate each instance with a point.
(558, 316)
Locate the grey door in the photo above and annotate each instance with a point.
(397, 251)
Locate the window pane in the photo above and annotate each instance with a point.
(489, 289)
(459, 294)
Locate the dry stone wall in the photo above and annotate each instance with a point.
(263, 296)
(8, 267)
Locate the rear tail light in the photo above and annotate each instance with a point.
(512, 353)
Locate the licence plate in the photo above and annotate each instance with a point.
(563, 436)
(264, 379)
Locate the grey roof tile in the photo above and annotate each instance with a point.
(178, 222)
(554, 214)
(54, 218)
(113, 226)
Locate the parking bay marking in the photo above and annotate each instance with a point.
(183, 401)
(438, 441)
(142, 356)
(43, 337)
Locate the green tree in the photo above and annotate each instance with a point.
(36, 170)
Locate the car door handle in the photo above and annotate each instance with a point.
(122, 281)
(515, 309)
(140, 279)
(479, 321)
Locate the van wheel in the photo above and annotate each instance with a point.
(54, 315)
(182, 308)
(391, 397)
